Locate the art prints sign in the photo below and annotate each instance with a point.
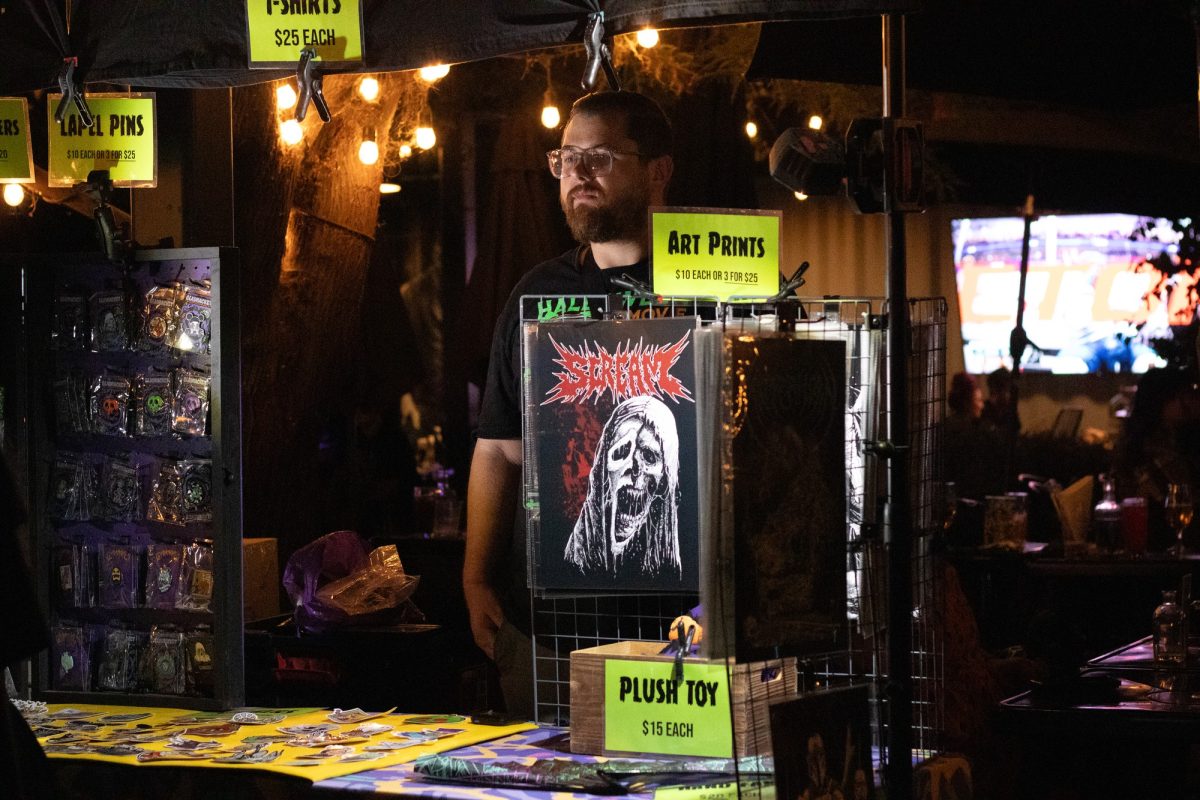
(16, 148)
(279, 29)
(121, 139)
(710, 252)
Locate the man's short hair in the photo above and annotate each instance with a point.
(645, 122)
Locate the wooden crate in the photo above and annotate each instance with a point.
(751, 688)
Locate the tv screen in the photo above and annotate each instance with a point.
(1094, 297)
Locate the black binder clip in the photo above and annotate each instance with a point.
(308, 87)
(71, 93)
(598, 54)
(683, 643)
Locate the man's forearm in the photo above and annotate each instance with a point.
(492, 493)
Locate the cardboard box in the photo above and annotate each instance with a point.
(260, 578)
(654, 713)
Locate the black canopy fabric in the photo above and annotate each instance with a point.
(202, 43)
(1106, 54)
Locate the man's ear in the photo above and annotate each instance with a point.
(661, 169)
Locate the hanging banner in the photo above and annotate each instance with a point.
(714, 252)
(122, 139)
(16, 148)
(277, 30)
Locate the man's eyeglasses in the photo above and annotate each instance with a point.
(596, 161)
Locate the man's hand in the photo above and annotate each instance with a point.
(486, 616)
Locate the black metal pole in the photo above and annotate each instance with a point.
(897, 513)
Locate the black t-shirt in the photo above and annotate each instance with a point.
(574, 273)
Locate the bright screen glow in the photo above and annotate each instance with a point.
(1092, 302)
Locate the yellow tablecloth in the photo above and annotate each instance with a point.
(321, 770)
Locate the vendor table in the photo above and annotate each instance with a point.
(67, 733)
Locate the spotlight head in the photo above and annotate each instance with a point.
(808, 161)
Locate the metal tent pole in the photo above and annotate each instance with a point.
(898, 689)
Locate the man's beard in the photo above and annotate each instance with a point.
(616, 218)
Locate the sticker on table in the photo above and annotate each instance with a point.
(368, 729)
(121, 719)
(119, 750)
(352, 757)
(180, 743)
(251, 718)
(258, 755)
(324, 738)
(435, 719)
(215, 729)
(72, 714)
(268, 738)
(305, 730)
(171, 755)
(329, 751)
(353, 715)
(68, 749)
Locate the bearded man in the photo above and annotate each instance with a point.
(613, 164)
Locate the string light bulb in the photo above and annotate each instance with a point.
(647, 38)
(550, 115)
(368, 88)
(435, 73)
(815, 122)
(368, 149)
(291, 132)
(425, 137)
(387, 187)
(14, 194)
(751, 130)
(405, 151)
(801, 196)
(285, 97)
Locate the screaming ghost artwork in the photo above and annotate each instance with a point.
(613, 426)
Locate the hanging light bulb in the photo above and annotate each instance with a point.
(368, 87)
(751, 130)
(550, 115)
(434, 73)
(291, 132)
(14, 194)
(387, 187)
(425, 137)
(405, 151)
(368, 150)
(647, 37)
(801, 196)
(815, 122)
(285, 97)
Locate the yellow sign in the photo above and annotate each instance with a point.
(647, 711)
(16, 148)
(714, 252)
(122, 139)
(279, 29)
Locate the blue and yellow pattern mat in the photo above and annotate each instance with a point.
(525, 747)
(100, 727)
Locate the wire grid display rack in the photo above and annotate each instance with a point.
(563, 624)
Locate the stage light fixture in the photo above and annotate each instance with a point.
(808, 162)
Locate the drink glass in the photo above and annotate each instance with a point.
(1178, 505)
(1134, 525)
